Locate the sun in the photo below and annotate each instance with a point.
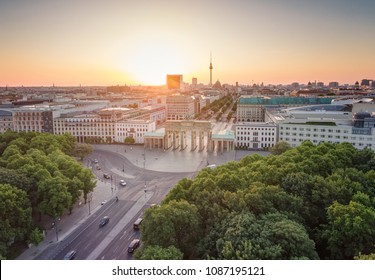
(150, 61)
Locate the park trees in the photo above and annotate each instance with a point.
(351, 228)
(81, 150)
(307, 202)
(15, 217)
(167, 226)
(159, 253)
(40, 166)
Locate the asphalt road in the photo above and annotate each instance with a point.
(144, 187)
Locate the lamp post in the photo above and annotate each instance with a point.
(55, 220)
(111, 184)
(89, 199)
(144, 163)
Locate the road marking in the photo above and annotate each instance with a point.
(122, 174)
(123, 235)
(142, 200)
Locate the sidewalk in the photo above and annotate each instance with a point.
(68, 223)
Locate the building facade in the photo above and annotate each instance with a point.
(180, 107)
(6, 121)
(135, 129)
(255, 135)
(33, 118)
(253, 108)
(90, 128)
(360, 132)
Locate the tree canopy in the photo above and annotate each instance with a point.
(38, 169)
(308, 202)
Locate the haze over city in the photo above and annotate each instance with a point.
(68, 43)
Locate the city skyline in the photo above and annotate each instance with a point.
(125, 42)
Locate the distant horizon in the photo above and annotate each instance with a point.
(162, 85)
(137, 43)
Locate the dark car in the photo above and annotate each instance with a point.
(106, 175)
(133, 245)
(104, 221)
(71, 255)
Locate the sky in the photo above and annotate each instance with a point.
(97, 42)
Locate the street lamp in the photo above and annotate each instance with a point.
(144, 163)
(89, 199)
(55, 220)
(111, 184)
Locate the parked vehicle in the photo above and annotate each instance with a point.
(106, 176)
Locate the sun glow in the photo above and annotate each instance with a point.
(151, 61)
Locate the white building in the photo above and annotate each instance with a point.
(92, 127)
(134, 129)
(358, 130)
(255, 135)
(156, 113)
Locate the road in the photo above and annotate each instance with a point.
(144, 187)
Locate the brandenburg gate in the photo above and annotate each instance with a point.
(175, 135)
(176, 132)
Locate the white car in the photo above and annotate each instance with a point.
(122, 183)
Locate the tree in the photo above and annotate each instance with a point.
(81, 150)
(167, 225)
(273, 236)
(54, 197)
(88, 181)
(129, 140)
(280, 148)
(159, 253)
(45, 142)
(365, 257)
(15, 216)
(36, 236)
(350, 229)
(67, 142)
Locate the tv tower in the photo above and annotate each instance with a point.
(210, 84)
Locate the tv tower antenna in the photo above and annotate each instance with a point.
(210, 84)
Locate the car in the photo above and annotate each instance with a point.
(70, 255)
(106, 175)
(96, 161)
(98, 167)
(104, 202)
(122, 183)
(137, 223)
(133, 245)
(104, 221)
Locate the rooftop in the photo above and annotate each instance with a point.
(283, 100)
